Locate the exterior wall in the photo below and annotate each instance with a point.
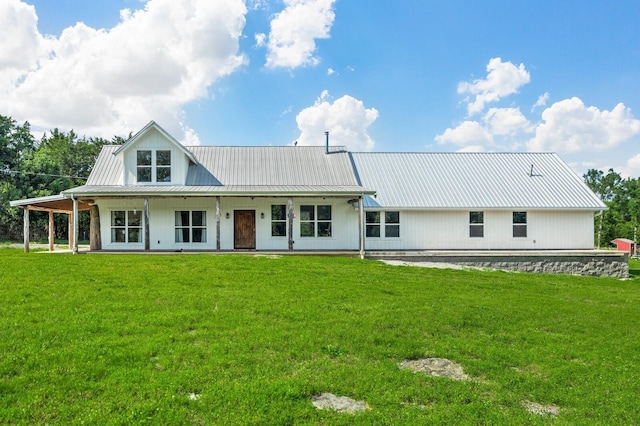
(344, 221)
(154, 141)
(449, 230)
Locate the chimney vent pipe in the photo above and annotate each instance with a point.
(326, 144)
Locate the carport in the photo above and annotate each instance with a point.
(53, 204)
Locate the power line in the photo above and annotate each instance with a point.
(22, 172)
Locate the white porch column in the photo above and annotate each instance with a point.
(218, 223)
(26, 228)
(75, 225)
(361, 225)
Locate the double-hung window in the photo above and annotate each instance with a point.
(191, 226)
(279, 220)
(315, 221)
(476, 224)
(519, 224)
(126, 226)
(374, 224)
(153, 168)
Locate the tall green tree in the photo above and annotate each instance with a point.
(605, 187)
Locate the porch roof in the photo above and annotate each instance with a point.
(54, 203)
(217, 190)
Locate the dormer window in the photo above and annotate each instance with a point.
(153, 168)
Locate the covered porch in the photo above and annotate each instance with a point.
(56, 204)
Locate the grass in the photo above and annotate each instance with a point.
(204, 339)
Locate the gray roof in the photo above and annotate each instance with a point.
(239, 170)
(472, 181)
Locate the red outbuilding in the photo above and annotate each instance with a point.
(625, 244)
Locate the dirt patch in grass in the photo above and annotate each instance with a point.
(437, 367)
(341, 404)
(542, 410)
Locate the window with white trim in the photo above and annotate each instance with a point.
(191, 226)
(315, 221)
(519, 224)
(126, 226)
(279, 220)
(153, 168)
(476, 224)
(376, 222)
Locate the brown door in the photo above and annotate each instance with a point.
(244, 234)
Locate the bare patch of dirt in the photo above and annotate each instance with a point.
(542, 410)
(341, 404)
(437, 367)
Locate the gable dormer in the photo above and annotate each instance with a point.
(154, 157)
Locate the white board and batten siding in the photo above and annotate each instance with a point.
(154, 141)
(344, 223)
(449, 230)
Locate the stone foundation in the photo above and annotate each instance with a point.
(588, 262)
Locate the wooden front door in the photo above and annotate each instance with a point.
(244, 233)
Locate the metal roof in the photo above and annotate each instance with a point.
(54, 203)
(472, 181)
(239, 170)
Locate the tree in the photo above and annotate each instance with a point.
(605, 187)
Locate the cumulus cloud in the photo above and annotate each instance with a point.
(506, 121)
(466, 134)
(113, 81)
(261, 39)
(294, 31)
(346, 119)
(541, 102)
(503, 79)
(569, 126)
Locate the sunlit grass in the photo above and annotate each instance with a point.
(205, 339)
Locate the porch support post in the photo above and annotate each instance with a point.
(147, 241)
(75, 225)
(290, 220)
(361, 225)
(51, 231)
(70, 229)
(95, 237)
(218, 223)
(26, 228)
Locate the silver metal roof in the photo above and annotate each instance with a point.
(239, 170)
(472, 180)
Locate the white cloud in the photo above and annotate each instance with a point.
(346, 119)
(503, 79)
(330, 71)
(261, 39)
(467, 134)
(113, 81)
(506, 121)
(541, 102)
(472, 148)
(294, 31)
(569, 126)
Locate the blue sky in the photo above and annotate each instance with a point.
(560, 76)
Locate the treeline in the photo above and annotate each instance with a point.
(36, 168)
(622, 197)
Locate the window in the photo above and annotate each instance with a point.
(152, 168)
(191, 226)
(476, 224)
(163, 166)
(374, 224)
(519, 224)
(144, 166)
(315, 221)
(372, 227)
(279, 220)
(126, 226)
(392, 224)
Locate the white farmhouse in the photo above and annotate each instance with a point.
(154, 194)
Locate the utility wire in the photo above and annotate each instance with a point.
(22, 172)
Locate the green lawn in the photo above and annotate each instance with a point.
(206, 339)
